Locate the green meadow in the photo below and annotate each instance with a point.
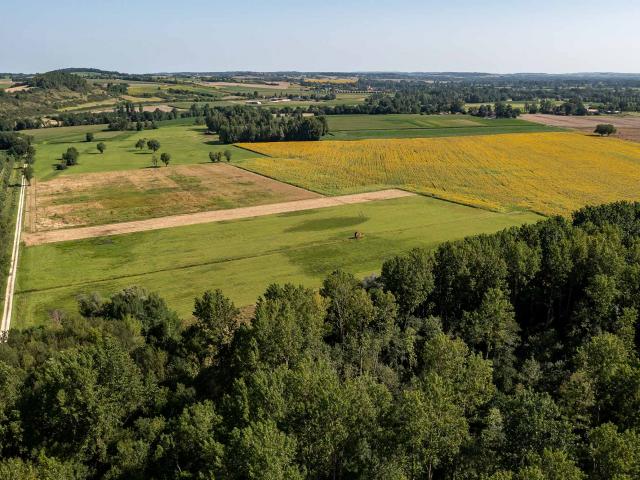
(187, 143)
(242, 257)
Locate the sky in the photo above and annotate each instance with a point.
(498, 36)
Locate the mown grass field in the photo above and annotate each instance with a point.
(552, 173)
(111, 197)
(242, 257)
(187, 144)
(358, 127)
(109, 102)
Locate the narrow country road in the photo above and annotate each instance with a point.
(13, 267)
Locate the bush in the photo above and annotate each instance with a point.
(71, 156)
(605, 129)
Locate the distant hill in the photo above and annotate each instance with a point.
(57, 80)
(88, 70)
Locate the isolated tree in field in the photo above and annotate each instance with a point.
(605, 129)
(28, 173)
(215, 157)
(101, 147)
(153, 145)
(89, 137)
(154, 161)
(140, 144)
(166, 158)
(71, 156)
(227, 155)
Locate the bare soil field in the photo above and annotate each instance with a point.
(133, 99)
(628, 126)
(274, 85)
(101, 198)
(19, 88)
(209, 217)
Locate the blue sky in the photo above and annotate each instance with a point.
(409, 35)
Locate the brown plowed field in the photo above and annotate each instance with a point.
(628, 126)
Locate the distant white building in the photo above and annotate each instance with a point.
(253, 102)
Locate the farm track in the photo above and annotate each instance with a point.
(208, 217)
(5, 321)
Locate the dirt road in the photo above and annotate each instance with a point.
(5, 322)
(208, 217)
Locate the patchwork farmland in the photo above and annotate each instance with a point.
(313, 276)
(486, 163)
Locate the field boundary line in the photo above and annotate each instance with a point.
(251, 150)
(324, 194)
(212, 216)
(511, 125)
(7, 310)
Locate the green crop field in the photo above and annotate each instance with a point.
(358, 127)
(187, 144)
(242, 257)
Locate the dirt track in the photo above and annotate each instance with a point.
(208, 217)
(628, 126)
(5, 321)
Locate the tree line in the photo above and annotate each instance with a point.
(15, 151)
(511, 356)
(499, 110)
(246, 124)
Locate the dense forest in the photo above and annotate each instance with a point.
(59, 79)
(511, 356)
